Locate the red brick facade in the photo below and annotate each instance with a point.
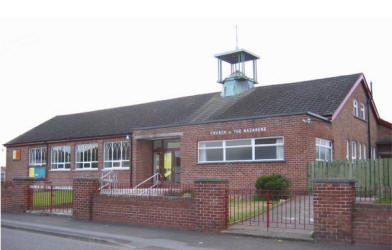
(299, 147)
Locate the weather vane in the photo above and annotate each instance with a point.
(236, 36)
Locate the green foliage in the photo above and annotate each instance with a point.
(272, 182)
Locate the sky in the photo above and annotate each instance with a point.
(64, 57)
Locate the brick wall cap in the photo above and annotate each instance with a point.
(85, 179)
(334, 180)
(23, 179)
(206, 179)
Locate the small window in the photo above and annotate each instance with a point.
(61, 157)
(323, 149)
(359, 151)
(355, 104)
(374, 156)
(347, 150)
(116, 155)
(86, 156)
(37, 156)
(364, 151)
(354, 150)
(363, 111)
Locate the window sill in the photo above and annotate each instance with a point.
(240, 162)
(108, 169)
(85, 169)
(359, 118)
(59, 170)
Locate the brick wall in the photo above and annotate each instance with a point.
(15, 195)
(333, 202)
(206, 211)
(83, 191)
(372, 224)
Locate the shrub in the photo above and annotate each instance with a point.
(277, 183)
(272, 182)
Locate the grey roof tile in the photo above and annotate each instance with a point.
(321, 96)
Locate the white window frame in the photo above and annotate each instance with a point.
(359, 151)
(347, 150)
(364, 152)
(353, 150)
(90, 162)
(121, 162)
(355, 104)
(252, 145)
(363, 111)
(33, 152)
(57, 165)
(319, 143)
(374, 156)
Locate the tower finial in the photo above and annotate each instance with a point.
(236, 36)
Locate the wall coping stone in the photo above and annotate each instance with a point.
(334, 180)
(206, 179)
(85, 179)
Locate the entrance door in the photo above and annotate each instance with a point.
(167, 160)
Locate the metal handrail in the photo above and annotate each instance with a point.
(149, 178)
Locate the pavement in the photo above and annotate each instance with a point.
(144, 237)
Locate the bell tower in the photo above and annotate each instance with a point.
(239, 61)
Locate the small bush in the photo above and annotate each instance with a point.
(276, 183)
(272, 182)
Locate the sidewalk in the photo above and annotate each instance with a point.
(142, 237)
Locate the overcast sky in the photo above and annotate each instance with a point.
(86, 55)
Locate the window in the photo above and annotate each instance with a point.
(374, 153)
(116, 155)
(253, 149)
(347, 150)
(37, 156)
(61, 157)
(323, 150)
(355, 104)
(359, 151)
(86, 156)
(363, 111)
(364, 151)
(354, 150)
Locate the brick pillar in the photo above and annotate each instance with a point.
(211, 204)
(21, 197)
(83, 191)
(333, 206)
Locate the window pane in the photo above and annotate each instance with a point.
(211, 154)
(125, 164)
(79, 165)
(157, 144)
(244, 153)
(94, 165)
(265, 141)
(108, 148)
(266, 153)
(210, 144)
(107, 165)
(125, 148)
(117, 151)
(116, 164)
(68, 165)
(172, 144)
(246, 142)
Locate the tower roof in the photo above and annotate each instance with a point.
(232, 56)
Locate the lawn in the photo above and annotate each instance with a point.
(243, 209)
(60, 197)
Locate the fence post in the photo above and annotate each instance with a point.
(51, 198)
(268, 208)
(83, 191)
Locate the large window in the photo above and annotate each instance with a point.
(323, 149)
(86, 156)
(61, 157)
(253, 149)
(37, 156)
(116, 155)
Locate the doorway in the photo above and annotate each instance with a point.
(167, 160)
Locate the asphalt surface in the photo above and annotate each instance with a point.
(24, 231)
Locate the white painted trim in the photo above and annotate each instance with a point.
(85, 169)
(337, 111)
(123, 168)
(60, 170)
(158, 136)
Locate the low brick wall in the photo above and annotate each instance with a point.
(207, 211)
(7, 194)
(372, 224)
(176, 212)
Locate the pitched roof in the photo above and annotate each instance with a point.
(321, 96)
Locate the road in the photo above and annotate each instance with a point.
(14, 239)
